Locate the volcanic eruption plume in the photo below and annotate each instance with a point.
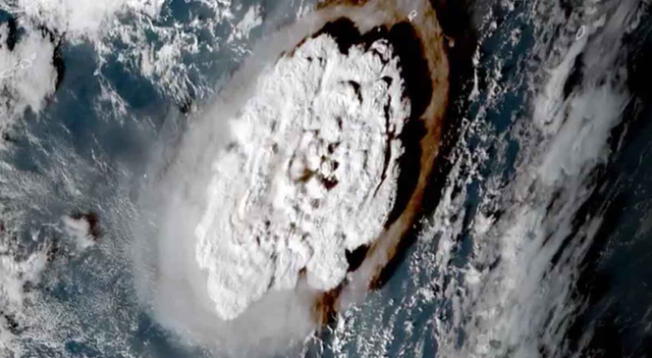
(289, 195)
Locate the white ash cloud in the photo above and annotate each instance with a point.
(205, 274)
(306, 176)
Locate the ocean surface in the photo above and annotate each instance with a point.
(538, 241)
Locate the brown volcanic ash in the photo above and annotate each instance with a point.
(414, 32)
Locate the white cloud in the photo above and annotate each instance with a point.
(27, 74)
